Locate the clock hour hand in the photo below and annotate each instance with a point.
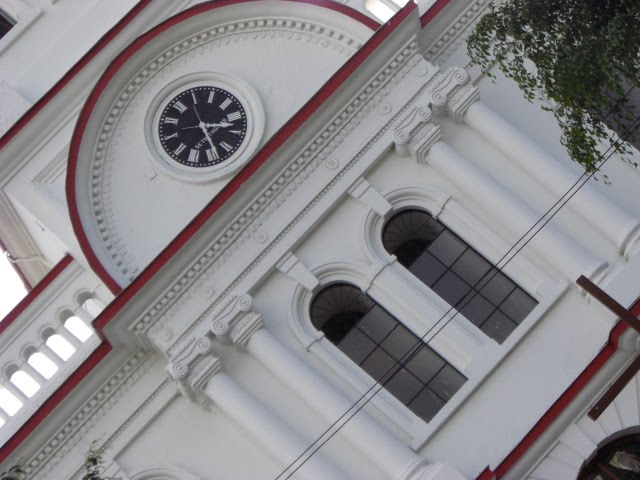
(221, 124)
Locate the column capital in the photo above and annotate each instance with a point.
(445, 85)
(461, 101)
(193, 367)
(235, 321)
(423, 140)
(408, 125)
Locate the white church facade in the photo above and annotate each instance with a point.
(292, 239)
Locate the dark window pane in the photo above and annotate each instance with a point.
(498, 326)
(476, 308)
(447, 247)
(427, 268)
(426, 404)
(404, 386)
(380, 365)
(518, 305)
(5, 25)
(496, 286)
(377, 324)
(400, 342)
(451, 288)
(447, 382)
(471, 267)
(356, 345)
(425, 364)
(409, 232)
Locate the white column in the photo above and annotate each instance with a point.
(33, 373)
(562, 252)
(616, 224)
(384, 450)
(69, 337)
(271, 431)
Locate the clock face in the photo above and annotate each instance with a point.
(202, 126)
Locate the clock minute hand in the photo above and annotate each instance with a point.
(221, 124)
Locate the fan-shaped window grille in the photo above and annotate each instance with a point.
(376, 341)
(457, 273)
(617, 459)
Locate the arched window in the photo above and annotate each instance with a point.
(385, 349)
(457, 273)
(618, 459)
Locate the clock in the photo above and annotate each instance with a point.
(202, 126)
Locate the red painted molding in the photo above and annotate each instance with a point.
(52, 402)
(35, 292)
(47, 97)
(487, 474)
(567, 396)
(276, 141)
(433, 11)
(102, 83)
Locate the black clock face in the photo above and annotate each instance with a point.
(202, 126)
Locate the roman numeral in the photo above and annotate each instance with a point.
(237, 132)
(225, 104)
(211, 95)
(193, 95)
(226, 146)
(181, 107)
(171, 136)
(180, 149)
(212, 155)
(173, 121)
(193, 156)
(232, 117)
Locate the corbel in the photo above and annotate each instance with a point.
(364, 192)
(297, 271)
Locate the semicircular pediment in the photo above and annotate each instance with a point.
(183, 109)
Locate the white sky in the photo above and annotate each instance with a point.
(11, 288)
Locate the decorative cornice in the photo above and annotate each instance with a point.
(450, 40)
(96, 407)
(252, 217)
(172, 57)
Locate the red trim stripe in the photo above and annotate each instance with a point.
(433, 11)
(52, 402)
(102, 83)
(47, 97)
(35, 292)
(567, 397)
(277, 140)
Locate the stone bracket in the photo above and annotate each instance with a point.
(364, 192)
(297, 271)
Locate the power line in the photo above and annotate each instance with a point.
(411, 352)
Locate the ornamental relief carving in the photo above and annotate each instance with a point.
(300, 168)
(151, 75)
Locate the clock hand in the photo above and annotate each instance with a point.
(221, 124)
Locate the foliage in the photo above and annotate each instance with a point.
(16, 472)
(94, 463)
(582, 55)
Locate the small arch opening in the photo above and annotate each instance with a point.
(78, 328)
(8, 402)
(25, 383)
(42, 364)
(60, 346)
(617, 458)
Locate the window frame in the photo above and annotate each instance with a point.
(462, 335)
(22, 16)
